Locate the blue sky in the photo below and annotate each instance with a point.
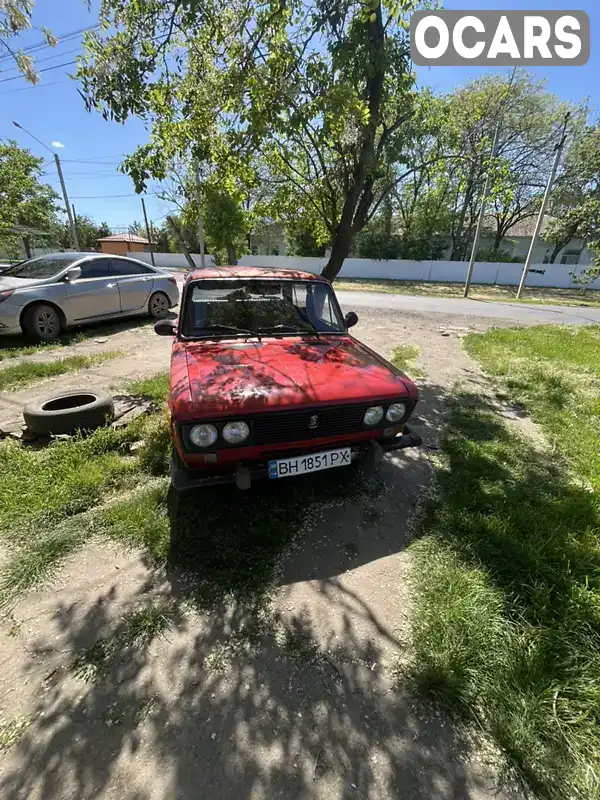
(54, 112)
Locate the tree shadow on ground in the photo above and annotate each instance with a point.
(224, 706)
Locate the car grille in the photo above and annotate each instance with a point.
(294, 426)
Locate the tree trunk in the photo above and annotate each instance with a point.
(231, 255)
(177, 233)
(556, 251)
(339, 252)
(497, 241)
(359, 195)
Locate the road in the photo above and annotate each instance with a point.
(519, 312)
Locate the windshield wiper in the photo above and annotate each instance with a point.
(292, 328)
(218, 327)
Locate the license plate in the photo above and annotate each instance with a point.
(299, 465)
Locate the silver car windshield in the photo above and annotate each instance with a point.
(41, 267)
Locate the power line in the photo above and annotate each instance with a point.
(47, 58)
(41, 45)
(91, 174)
(47, 69)
(37, 86)
(95, 160)
(103, 196)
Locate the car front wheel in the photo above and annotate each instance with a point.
(158, 305)
(41, 323)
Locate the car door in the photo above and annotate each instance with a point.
(135, 282)
(95, 293)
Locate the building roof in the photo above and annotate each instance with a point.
(125, 237)
(252, 272)
(524, 227)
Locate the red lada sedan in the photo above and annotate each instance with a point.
(266, 381)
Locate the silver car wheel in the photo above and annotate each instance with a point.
(47, 323)
(158, 306)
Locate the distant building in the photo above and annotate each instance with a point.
(122, 243)
(269, 240)
(519, 237)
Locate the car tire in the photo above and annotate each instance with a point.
(67, 412)
(41, 323)
(158, 305)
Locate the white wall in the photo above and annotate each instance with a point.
(173, 260)
(550, 275)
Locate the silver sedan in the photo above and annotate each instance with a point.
(45, 295)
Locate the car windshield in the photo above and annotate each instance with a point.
(240, 307)
(42, 267)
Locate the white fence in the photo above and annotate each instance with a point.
(551, 275)
(173, 260)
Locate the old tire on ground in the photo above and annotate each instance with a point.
(41, 323)
(66, 412)
(158, 305)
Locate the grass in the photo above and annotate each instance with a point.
(11, 732)
(26, 373)
(403, 358)
(554, 373)
(502, 294)
(506, 612)
(52, 500)
(156, 387)
(136, 633)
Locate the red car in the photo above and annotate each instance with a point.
(266, 381)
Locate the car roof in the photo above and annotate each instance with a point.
(75, 256)
(253, 272)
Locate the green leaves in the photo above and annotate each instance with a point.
(24, 200)
(15, 16)
(304, 94)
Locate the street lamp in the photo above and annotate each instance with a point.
(72, 226)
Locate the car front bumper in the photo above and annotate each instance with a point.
(243, 474)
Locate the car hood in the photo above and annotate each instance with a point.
(228, 377)
(8, 282)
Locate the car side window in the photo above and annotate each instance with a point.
(122, 268)
(98, 268)
(322, 305)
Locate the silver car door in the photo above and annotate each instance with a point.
(135, 282)
(95, 293)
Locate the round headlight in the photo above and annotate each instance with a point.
(203, 435)
(395, 412)
(373, 415)
(236, 432)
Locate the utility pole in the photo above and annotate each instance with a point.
(72, 227)
(486, 188)
(200, 218)
(75, 219)
(148, 232)
(538, 225)
(486, 191)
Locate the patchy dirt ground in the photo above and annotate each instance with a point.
(308, 709)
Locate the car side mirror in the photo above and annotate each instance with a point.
(351, 319)
(165, 327)
(72, 274)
